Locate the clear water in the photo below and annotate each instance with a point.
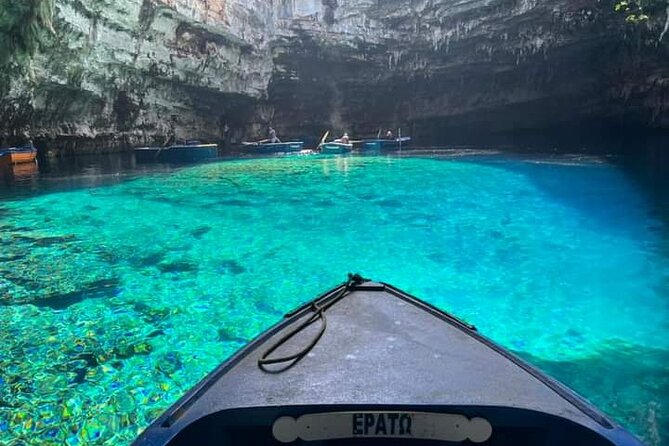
(116, 298)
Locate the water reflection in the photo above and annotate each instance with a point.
(58, 174)
(24, 173)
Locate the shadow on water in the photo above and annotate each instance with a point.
(616, 380)
(652, 176)
(615, 189)
(77, 172)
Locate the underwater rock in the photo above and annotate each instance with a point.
(99, 289)
(234, 202)
(79, 376)
(264, 307)
(150, 314)
(43, 242)
(199, 232)
(156, 333)
(90, 359)
(151, 259)
(389, 203)
(230, 267)
(225, 335)
(177, 267)
(12, 257)
(170, 363)
(128, 350)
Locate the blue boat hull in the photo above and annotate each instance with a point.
(279, 147)
(177, 154)
(385, 144)
(335, 148)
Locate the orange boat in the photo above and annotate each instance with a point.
(18, 155)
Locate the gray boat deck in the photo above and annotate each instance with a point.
(380, 349)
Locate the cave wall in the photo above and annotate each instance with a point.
(473, 71)
(123, 73)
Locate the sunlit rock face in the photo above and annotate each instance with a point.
(123, 72)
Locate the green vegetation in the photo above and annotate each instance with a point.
(634, 11)
(638, 11)
(24, 26)
(643, 11)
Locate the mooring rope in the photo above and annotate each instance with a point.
(318, 314)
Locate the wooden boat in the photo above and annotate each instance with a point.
(184, 153)
(18, 155)
(334, 148)
(276, 147)
(385, 144)
(366, 363)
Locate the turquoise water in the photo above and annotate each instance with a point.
(115, 299)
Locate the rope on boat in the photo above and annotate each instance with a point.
(318, 314)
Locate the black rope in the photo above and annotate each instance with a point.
(318, 314)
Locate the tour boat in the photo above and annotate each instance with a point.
(334, 148)
(184, 153)
(18, 155)
(276, 147)
(385, 144)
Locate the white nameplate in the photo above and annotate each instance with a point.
(418, 425)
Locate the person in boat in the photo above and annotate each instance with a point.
(170, 140)
(27, 140)
(272, 136)
(170, 137)
(344, 139)
(389, 135)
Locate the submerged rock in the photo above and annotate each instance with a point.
(231, 267)
(99, 289)
(177, 267)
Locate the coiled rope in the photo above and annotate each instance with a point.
(318, 315)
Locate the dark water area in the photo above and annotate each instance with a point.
(74, 172)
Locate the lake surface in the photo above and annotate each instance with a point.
(122, 287)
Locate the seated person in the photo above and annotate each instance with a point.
(272, 136)
(344, 139)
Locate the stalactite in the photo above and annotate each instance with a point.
(666, 23)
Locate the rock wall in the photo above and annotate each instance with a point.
(474, 71)
(124, 72)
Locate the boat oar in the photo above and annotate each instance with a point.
(378, 135)
(323, 139)
(399, 137)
